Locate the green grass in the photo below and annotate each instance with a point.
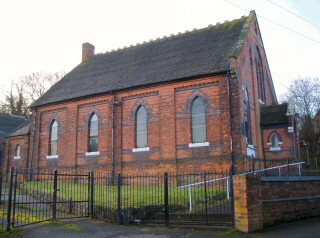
(131, 196)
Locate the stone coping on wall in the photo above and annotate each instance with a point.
(291, 199)
(289, 179)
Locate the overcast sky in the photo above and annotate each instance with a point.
(43, 35)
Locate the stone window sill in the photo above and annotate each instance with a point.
(199, 144)
(16, 157)
(141, 149)
(275, 148)
(93, 153)
(52, 157)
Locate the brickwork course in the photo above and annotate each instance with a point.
(221, 64)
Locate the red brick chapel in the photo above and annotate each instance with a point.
(188, 102)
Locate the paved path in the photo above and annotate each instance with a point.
(87, 228)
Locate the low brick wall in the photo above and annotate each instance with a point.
(263, 201)
(287, 199)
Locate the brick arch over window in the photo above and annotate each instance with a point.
(57, 119)
(277, 134)
(192, 97)
(139, 103)
(90, 113)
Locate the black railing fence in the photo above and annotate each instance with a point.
(168, 198)
(191, 198)
(36, 195)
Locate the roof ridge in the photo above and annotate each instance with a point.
(244, 32)
(170, 36)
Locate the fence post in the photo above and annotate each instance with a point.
(166, 199)
(1, 180)
(10, 199)
(232, 194)
(15, 178)
(92, 193)
(55, 190)
(205, 195)
(119, 198)
(288, 164)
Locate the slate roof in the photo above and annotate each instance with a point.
(274, 115)
(199, 52)
(21, 130)
(9, 123)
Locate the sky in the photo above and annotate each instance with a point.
(47, 36)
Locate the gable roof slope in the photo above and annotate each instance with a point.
(8, 123)
(199, 52)
(21, 130)
(274, 115)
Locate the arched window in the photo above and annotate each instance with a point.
(141, 127)
(274, 142)
(93, 133)
(53, 148)
(199, 128)
(18, 149)
(260, 77)
(247, 118)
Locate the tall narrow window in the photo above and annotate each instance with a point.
(247, 118)
(141, 127)
(93, 133)
(53, 138)
(17, 152)
(199, 129)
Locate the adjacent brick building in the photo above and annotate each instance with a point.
(8, 123)
(191, 101)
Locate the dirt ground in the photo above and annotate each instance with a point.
(87, 228)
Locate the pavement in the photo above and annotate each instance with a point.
(88, 228)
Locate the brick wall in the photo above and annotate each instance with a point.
(169, 129)
(11, 160)
(264, 201)
(286, 145)
(287, 200)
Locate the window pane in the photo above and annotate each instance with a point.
(141, 127)
(18, 150)
(199, 135)
(54, 131)
(142, 140)
(94, 125)
(198, 121)
(93, 144)
(53, 148)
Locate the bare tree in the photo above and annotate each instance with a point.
(38, 83)
(25, 91)
(304, 93)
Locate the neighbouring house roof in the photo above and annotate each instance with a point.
(199, 52)
(9, 123)
(274, 115)
(21, 130)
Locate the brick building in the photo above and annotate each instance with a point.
(280, 133)
(8, 123)
(191, 101)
